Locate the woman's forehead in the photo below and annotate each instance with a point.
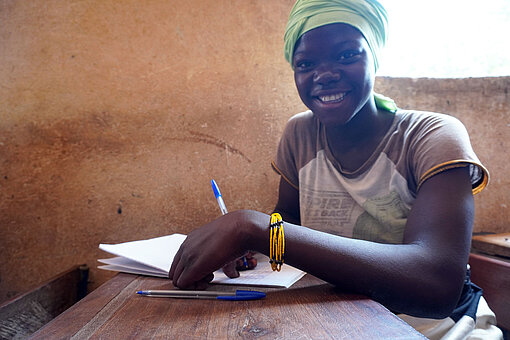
(328, 35)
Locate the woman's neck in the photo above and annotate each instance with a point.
(352, 144)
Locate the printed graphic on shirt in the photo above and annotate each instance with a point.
(384, 219)
(329, 211)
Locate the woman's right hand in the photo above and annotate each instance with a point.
(233, 268)
(212, 246)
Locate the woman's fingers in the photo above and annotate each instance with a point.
(209, 278)
(230, 270)
(203, 283)
(179, 269)
(251, 261)
(176, 260)
(208, 248)
(248, 261)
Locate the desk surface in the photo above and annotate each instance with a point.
(310, 309)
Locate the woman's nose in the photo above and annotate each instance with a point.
(326, 76)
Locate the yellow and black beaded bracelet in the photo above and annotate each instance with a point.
(276, 242)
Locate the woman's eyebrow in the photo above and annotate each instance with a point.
(300, 54)
(356, 42)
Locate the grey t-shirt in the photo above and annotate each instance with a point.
(372, 202)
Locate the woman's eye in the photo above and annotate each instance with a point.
(303, 65)
(349, 56)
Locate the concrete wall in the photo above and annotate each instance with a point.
(115, 115)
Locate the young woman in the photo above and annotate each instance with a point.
(374, 199)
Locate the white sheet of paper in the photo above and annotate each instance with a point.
(154, 257)
(122, 264)
(132, 270)
(262, 275)
(156, 252)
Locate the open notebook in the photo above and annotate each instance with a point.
(153, 257)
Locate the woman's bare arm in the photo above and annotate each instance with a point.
(422, 277)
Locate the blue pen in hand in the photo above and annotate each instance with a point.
(223, 209)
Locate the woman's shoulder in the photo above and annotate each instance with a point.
(425, 120)
(303, 122)
(302, 118)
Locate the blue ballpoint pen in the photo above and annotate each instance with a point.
(223, 209)
(238, 295)
(217, 194)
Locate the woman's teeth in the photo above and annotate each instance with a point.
(332, 98)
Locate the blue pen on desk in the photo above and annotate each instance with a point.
(238, 295)
(223, 209)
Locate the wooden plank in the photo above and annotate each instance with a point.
(492, 244)
(76, 317)
(493, 275)
(309, 309)
(26, 313)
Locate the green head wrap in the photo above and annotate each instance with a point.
(368, 16)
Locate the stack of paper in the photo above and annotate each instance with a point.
(153, 257)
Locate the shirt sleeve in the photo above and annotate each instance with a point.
(297, 147)
(442, 142)
(285, 163)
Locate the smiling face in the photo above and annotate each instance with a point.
(334, 73)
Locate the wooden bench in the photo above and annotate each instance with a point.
(26, 313)
(492, 274)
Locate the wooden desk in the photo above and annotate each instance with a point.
(310, 309)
